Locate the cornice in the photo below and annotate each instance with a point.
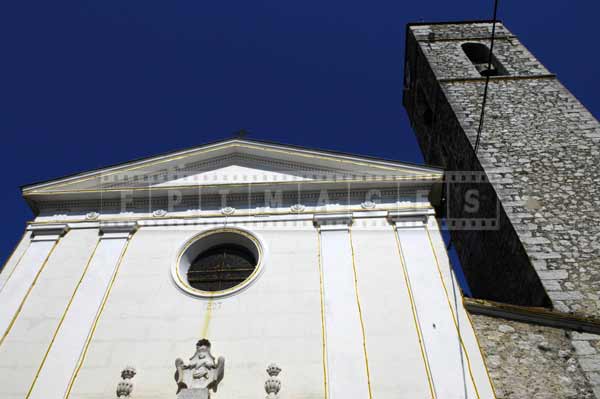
(536, 315)
(498, 78)
(218, 218)
(157, 190)
(237, 200)
(309, 156)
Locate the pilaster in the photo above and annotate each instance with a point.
(452, 373)
(24, 275)
(344, 340)
(72, 336)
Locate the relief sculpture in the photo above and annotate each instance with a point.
(200, 375)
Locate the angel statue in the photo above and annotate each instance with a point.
(201, 374)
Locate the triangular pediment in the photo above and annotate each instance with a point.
(234, 174)
(229, 163)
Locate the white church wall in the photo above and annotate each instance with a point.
(448, 363)
(62, 357)
(463, 322)
(14, 258)
(396, 364)
(18, 286)
(23, 350)
(148, 321)
(347, 373)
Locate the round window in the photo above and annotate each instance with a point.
(218, 262)
(221, 267)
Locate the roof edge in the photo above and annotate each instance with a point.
(459, 22)
(29, 186)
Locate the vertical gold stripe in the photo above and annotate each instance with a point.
(207, 319)
(81, 359)
(18, 261)
(454, 316)
(323, 334)
(16, 315)
(85, 269)
(362, 324)
(414, 312)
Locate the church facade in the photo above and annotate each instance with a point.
(235, 267)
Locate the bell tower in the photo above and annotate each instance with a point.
(536, 174)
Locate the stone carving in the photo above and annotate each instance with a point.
(297, 208)
(159, 213)
(368, 205)
(202, 374)
(273, 384)
(92, 215)
(228, 210)
(125, 387)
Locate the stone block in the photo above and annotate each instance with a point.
(565, 295)
(583, 348)
(553, 274)
(585, 336)
(590, 363)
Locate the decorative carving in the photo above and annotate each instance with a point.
(228, 210)
(368, 205)
(125, 387)
(297, 208)
(273, 383)
(159, 213)
(92, 215)
(200, 375)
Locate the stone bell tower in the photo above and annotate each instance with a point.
(539, 162)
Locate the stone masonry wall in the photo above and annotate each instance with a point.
(527, 361)
(587, 348)
(495, 261)
(540, 151)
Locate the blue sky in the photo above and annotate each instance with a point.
(87, 84)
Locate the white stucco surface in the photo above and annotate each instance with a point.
(346, 362)
(277, 319)
(23, 351)
(70, 339)
(449, 364)
(13, 260)
(148, 321)
(396, 363)
(467, 334)
(17, 286)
